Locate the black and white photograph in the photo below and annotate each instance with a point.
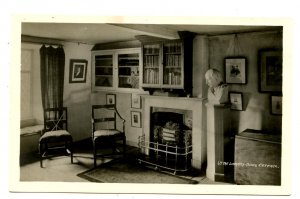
(270, 66)
(136, 119)
(78, 71)
(235, 70)
(110, 98)
(236, 100)
(136, 101)
(152, 143)
(276, 105)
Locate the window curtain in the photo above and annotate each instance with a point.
(52, 76)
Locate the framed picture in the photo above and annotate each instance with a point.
(270, 70)
(110, 99)
(135, 101)
(136, 119)
(276, 105)
(236, 100)
(78, 69)
(235, 70)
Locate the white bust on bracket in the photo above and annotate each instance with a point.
(217, 91)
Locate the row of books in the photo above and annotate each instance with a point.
(151, 76)
(151, 61)
(172, 48)
(172, 78)
(173, 60)
(151, 49)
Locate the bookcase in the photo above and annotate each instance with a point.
(117, 69)
(168, 65)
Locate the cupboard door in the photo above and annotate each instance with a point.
(172, 65)
(151, 65)
(103, 71)
(128, 70)
(116, 70)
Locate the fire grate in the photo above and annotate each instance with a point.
(166, 156)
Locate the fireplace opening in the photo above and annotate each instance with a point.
(170, 143)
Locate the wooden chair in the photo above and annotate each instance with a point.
(105, 124)
(55, 136)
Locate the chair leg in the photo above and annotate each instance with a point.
(41, 155)
(95, 153)
(124, 146)
(113, 142)
(71, 151)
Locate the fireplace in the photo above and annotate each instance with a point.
(173, 129)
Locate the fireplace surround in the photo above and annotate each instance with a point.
(195, 154)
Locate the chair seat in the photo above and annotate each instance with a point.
(106, 132)
(53, 136)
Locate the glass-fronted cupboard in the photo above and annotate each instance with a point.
(167, 66)
(116, 69)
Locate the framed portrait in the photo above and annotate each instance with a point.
(270, 70)
(78, 69)
(276, 105)
(236, 101)
(135, 101)
(136, 119)
(235, 70)
(110, 98)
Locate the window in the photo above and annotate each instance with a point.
(26, 84)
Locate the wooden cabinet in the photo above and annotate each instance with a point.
(257, 158)
(168, 64)
(116, 69)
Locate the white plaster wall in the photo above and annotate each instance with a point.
(200, 65)
(77, 96)
(256, 114)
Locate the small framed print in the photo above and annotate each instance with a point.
(136, 119)
(270, 70)
(236, 100)
(276, 105)
(110, 99)
(235, 70)
(78, 68)
(135, 101)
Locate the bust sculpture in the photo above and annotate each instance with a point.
(218, 91)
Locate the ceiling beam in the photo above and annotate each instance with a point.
(40, 40)
(151, 30)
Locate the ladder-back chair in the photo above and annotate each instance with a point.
(55, 136)
(108, 126)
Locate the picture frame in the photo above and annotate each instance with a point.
(136, 119)
(135, 101)
(110, 98)
(236, 101)
(78, 70)
(235, 70)
(276, 105)
(270, 70)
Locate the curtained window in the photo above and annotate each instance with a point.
(52, 76)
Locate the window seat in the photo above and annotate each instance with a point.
(31, 127)
(30, 133)
(32, 130)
